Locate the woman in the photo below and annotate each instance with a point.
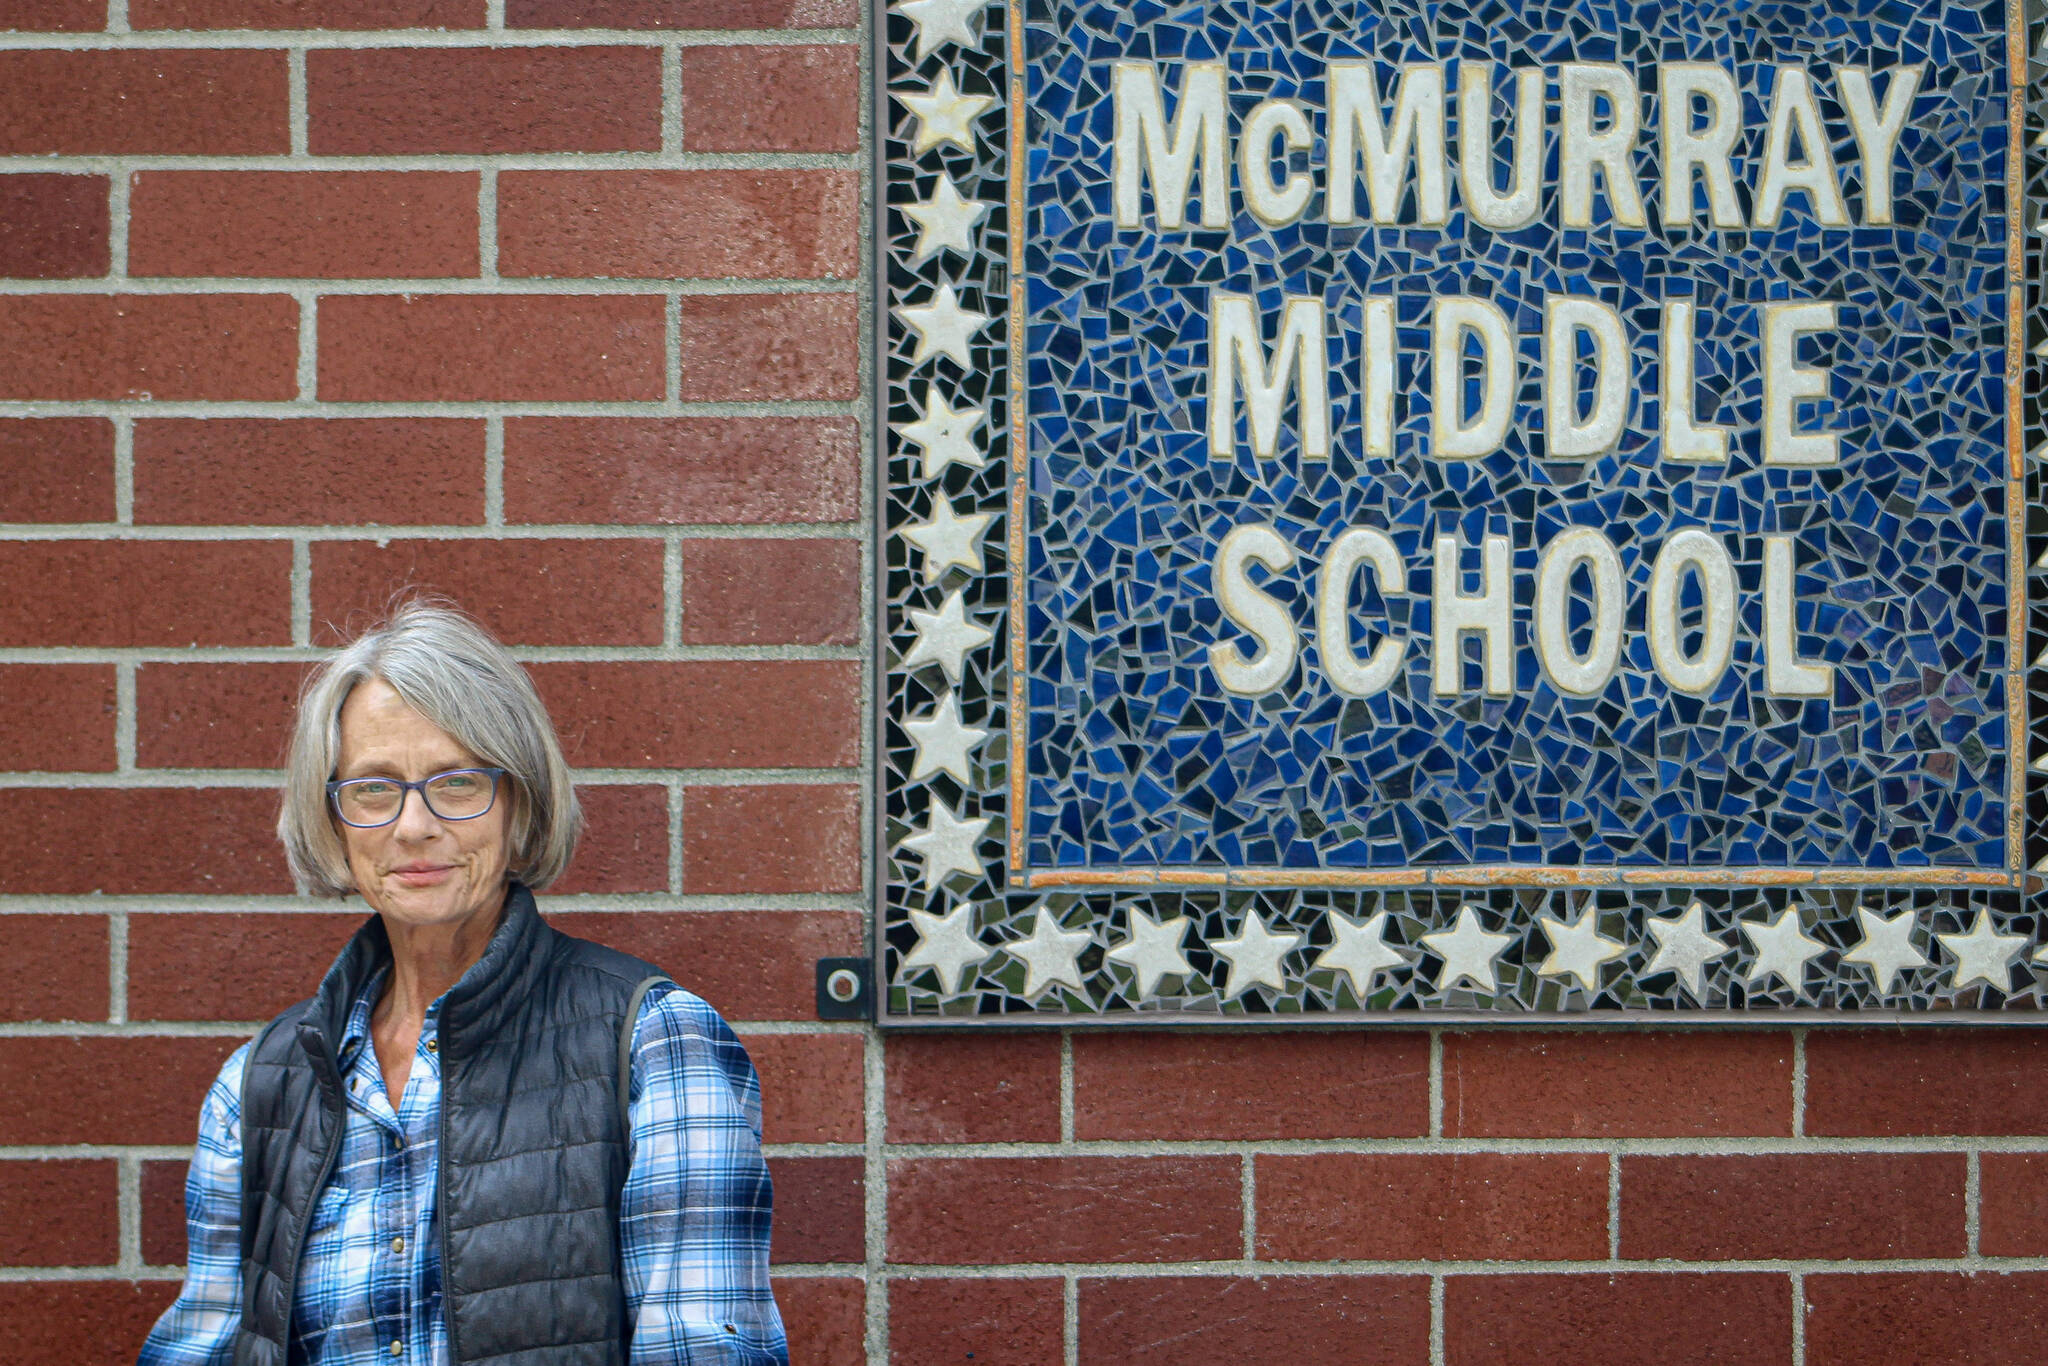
(481, 1139)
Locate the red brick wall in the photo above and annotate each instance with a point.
(556, 305)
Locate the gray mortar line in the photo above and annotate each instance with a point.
(104, 164)
(487, 223)
(119, 187)
(306, 408)
(124, 718)
(1973, 1202)
(271, 777)
(1138, 1271)
(124, 469)
(467, 39)
(672, 593)
(1614, 1205)
(1070, 1318)
(307, 289)
(494, 475)
(1736, 1146)
(875, 1195)
(117, 968)
(1248, 1214)
(1436, 1320)
(672, 347)
(672, 101)
(128, 1210)
(1067, 1086)
(98, 903)
(255, 531)
(675, 837)
(1798, 1082)
(295, 97)
(117, 16)
(302, 592)
(308, 371)
(1798, 1319)
(1436, 1083)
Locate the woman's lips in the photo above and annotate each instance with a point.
(422, 875)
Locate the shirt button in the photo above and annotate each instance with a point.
(433, 1045)
(398, 1244)
(397, 1347)
(398, 1140)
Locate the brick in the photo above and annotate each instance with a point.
(941, 1320)
(825, 1318)
(56, 226)
(1801, 1205)
(81, 1322)
(705, 713)
(1064, 1209)
(59, 469)
(142, 841)
(214, 715)
(681, 14)
(478, 347)
(167, 594)
(751, 965)
(1925, 1318)
(812, 1087)
(689, 225)
(1665, 1317)
(771, 99)
(151, 1092)
(820, 1209)
(2013, 1205)
(770, 346)
(57, 717)
(1616, 1085)
(58, 1213)
(398, 101)
(771, 592)
(1432, 1207)
(303, 223)
(53, 16)
(1981, 1082)
(160, 346)
(973, 1088)
(309, 471)
(625, 841)
(242, 966)
(143, 102)
(1227, 1320)
(1360, 1084)
(797, 838)
(58, 965)
(163, 1212)
(676, 470)
(554, 592)
(294, 14)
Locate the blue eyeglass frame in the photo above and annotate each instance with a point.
(334, 787)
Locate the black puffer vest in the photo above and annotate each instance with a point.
(532, 1145)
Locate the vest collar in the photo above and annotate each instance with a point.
(487, 995)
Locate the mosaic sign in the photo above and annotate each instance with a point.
(1465, 509)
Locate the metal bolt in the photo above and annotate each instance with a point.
(842, 985)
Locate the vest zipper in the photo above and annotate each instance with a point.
(441, 1195)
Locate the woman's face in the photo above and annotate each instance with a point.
(419, 870)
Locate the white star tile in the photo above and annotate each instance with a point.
(943, 114)
(945, 435)
(1578, 949)
(1152, 951)
(943, 327)
(945, 220)
(942, 741)
(1050, 955)
(1886, 947)
(947, 844)
(1684, 948)
(948, 539)
(946, 944)
(1983, 955)
(1468, 951)
(944, 637)
(943, 21)
(1782, 948)
(1359, 950)
(1254, 956)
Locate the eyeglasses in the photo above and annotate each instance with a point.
(460, 794)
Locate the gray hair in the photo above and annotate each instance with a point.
(448, 669)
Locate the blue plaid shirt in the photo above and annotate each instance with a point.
(693, 1218)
